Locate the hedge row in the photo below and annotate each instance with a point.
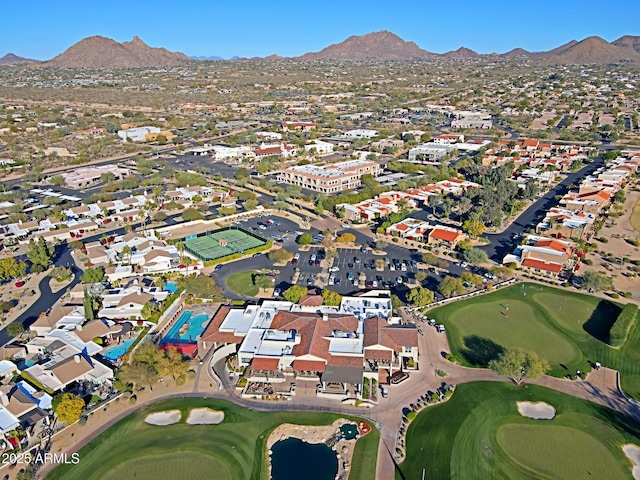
(228, 258)
(262, 248)
(622, 325)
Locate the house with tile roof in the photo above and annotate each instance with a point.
(446, 236)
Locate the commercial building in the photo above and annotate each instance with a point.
(329, 178)
(88, 176)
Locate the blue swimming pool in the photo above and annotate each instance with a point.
(187, 328)
(171, 287)
(115, 352)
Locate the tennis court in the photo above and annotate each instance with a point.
(221, 243)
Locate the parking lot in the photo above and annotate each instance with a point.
(350, 263)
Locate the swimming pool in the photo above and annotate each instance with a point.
(171, 287)
(115, 352)
(187, 328)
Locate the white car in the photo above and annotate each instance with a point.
(355, 282)
(334, 269)
(346, 225)
(399, 280)
(375, 284)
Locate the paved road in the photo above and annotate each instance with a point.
(47, 298)
(502, 243)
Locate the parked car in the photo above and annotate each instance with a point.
(217, 267)
(440, 328)
(334, 269)
(399, 280)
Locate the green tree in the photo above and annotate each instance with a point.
(224, 211)
(250, 204)
(474, 226)
(396, 303)
(468, 277)
(15, 329)
(475, 256)
(69, 408)
(450, 286)
(191, 214)
(159, 217)
(262, 281)
(40, 253)
(346, 238)
(128, 251)
(138, 374)
(280, 255)
(305, 239)
(420, 296)
(87, 303)
(294, 293)
(61, 274)
(331, 298)
(107, 177)
(172, 364)
(11, 268)
(517, 365)
(93, 275)
(57, 181)
(241, 173)
(596, 281)
(421, 276)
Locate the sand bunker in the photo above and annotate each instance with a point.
(205, 416)
(537, 410)
(168, 417)
(633, 453)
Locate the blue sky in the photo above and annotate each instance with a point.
(42, 29)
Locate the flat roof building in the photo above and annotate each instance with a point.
(330, 178)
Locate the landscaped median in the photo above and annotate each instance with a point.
(236, 448)
(570, 330)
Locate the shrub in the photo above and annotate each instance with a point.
(622, 325)
(615, 296)
(411, 416)
(450, 357)
(181, 380)
(603, 239)
(627, 294)
(587, 261)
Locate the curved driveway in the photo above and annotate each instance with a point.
(47, 298)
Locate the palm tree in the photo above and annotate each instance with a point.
(127, 250)
(180, 246)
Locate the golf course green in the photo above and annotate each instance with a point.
(234, 449)
(479, 433)
(569, 330)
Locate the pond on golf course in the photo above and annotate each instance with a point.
(292, 459)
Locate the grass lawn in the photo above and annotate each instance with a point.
(235, 449)
(242, 283)
(479, 433)
(569, 329)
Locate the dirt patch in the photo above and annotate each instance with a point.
(162, 419)
(633, 453)
(205, 416)
(536, 410)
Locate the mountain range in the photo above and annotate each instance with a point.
(102, 52)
